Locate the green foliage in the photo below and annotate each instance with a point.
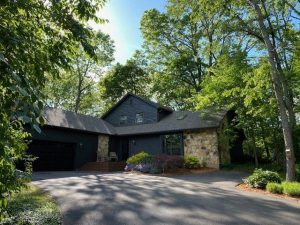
(247, 89)
(180, 52)
(141, 157)
(244, 64)
(36, 37)
(75, 88)
(291, 188)
(32, 206)
(121, 79)
(275, 188)
(260, 178)
(191, 162)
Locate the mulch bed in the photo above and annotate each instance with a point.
(183, 171)
(245, 187)
(179, 171)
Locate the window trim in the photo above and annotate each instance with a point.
(136, 119)
(164, 142)
(125, 121)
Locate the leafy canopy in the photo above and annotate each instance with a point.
(36, 37)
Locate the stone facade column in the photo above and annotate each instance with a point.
(204, 145)
(102, 151)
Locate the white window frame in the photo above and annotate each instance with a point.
(140, 119)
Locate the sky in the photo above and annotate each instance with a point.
(124, 24)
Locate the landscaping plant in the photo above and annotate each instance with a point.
(33, 207)
(165, 162)
(291, 188)
(141, 157)
(141, 162)
(260, 178)
(275, 188)
(145, 163)
(191, 162)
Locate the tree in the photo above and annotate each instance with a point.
(122, 79)
(246, 88)
(181, 51)
(270, 26)
(280, 87)
(76, 88)
(36, 37)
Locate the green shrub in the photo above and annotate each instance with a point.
(141, 157)
(274, 188)
(32, 206)
(191, 162)
(260, 178)
(291, 188)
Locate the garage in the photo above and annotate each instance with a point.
(52, 155)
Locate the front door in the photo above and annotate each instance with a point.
(124, 149)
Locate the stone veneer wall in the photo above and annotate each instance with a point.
(102, 151)
(204, 145)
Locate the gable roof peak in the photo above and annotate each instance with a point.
(152, 103)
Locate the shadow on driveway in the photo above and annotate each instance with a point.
(120, 198)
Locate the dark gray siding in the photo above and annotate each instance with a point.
(150, 143)
(130, 107)
(89, 142)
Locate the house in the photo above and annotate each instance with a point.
(69, 140)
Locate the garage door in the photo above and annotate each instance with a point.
(52, 156)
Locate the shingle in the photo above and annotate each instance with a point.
(177, 121)
(66, 119)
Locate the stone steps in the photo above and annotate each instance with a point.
(103, 166)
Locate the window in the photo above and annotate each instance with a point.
(172, 144)
(139, 118)
(123, 119)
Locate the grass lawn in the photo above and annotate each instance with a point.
(32, 206)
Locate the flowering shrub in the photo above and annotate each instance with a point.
(165, 162)
(141, 161)
(129, 167)
(144, 167)
(260, 178)
(145, 163)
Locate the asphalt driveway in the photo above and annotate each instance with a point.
(119, 198)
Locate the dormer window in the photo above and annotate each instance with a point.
(139, 118)
(123, 120)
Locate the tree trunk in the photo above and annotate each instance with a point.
(265, 142)
(78, 96)
(278, 86)
(253, 142)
